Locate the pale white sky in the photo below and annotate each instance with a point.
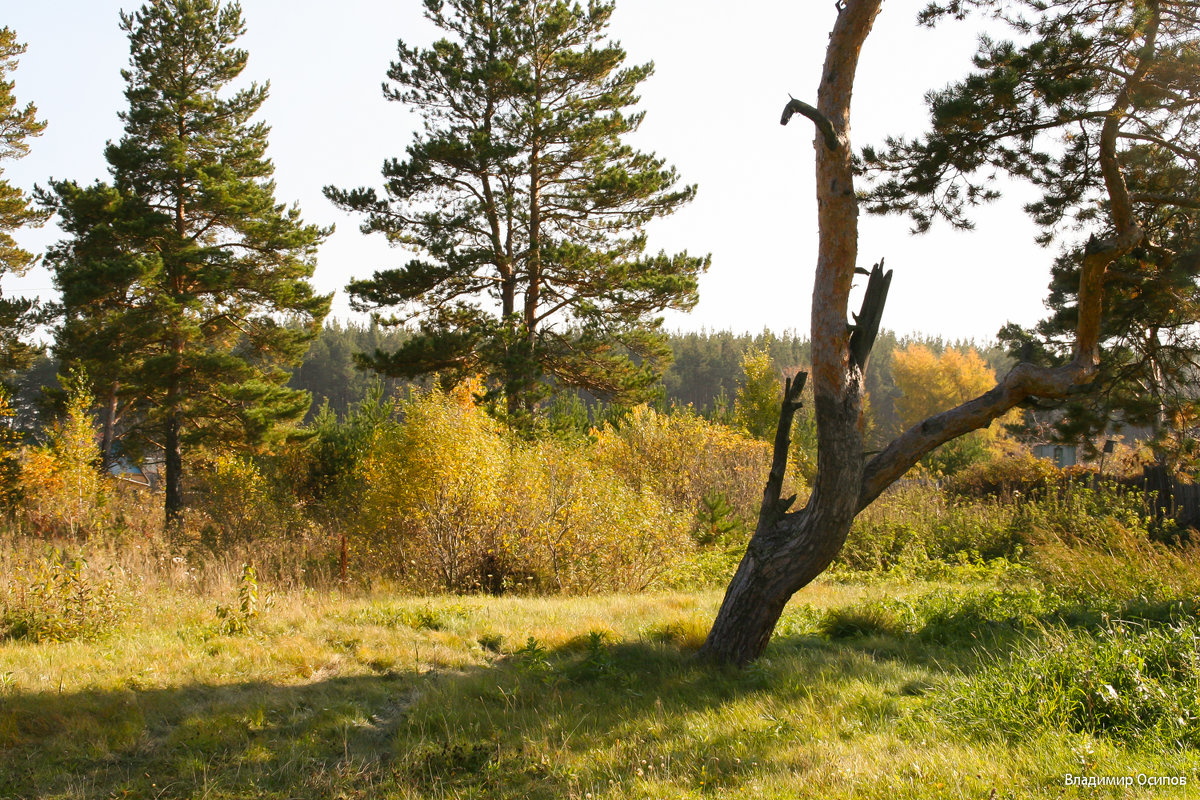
(723, 74)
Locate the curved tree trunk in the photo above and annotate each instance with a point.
(789, 550)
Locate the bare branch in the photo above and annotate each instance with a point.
(772, 507)
(822, 122)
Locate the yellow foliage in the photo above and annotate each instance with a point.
(930, 384)
(10, 453)
(462, 505)
(233, 493)
(583, 527)
(60, 483)
(682, 457)
(433, 489)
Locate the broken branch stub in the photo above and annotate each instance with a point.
(866, 322)
(822, 122)
(773, 507)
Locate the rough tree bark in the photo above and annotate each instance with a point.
(789, 549)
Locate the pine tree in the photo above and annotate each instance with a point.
(1084, 82)
(185, 285)
(526, 207)
(1150, 354)
(16, 210)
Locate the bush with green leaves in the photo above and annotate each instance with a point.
(57, 598)
(330, 477)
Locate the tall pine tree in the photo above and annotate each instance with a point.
(185, 284)
(17, 125)
(526, 207)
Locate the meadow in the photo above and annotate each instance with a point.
(990, 647)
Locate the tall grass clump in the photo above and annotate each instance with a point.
(959, 616)
(1133, 682)
(916, 523)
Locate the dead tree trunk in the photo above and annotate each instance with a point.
(790, 549)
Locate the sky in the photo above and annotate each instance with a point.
(723, 73)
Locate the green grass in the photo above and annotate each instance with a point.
(369, 696)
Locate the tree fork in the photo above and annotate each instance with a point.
(789, 550)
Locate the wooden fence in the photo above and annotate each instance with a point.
(1175, 499)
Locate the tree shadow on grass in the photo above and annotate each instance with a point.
(974, 630)
(589, 716)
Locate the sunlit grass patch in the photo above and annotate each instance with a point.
(1134, 682)
(372, 695)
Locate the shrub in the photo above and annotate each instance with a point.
(946, 616)
(58, 599)
(1017, 474)
(756, 405)
(683, 458)
(870, 619)
(1100, 518)
(232, 493)
(459, 504)
(330, 476)
(581, 528)
(10, 454)
(1110, 561)
(62, 489)
(432, 494)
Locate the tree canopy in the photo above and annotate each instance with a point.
(17, 125)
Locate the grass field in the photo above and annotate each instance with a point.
(870, 690)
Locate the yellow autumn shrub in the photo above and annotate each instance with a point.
(432, 489)
(451, 501)
(576, 526)
(61, 487)
(234, 498)
(684, 458)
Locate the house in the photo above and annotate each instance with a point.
(1063, 455)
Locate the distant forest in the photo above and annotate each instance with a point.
(705, 373)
